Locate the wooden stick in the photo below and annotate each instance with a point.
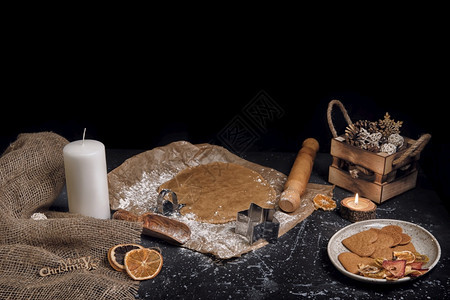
(298, 178)
(158, 226)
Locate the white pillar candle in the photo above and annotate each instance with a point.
(86, 178)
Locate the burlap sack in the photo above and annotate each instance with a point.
(63, 256)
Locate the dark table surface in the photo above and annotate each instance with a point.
(297, 265)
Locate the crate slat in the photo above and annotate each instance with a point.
(378, 193)
(385, 182)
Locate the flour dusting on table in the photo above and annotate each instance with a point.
(134, 186)
(143, 194)
(219, 239)
(212, 237)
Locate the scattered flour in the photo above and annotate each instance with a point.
(218, 239)
(143, 193)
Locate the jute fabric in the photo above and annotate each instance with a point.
(65, 255)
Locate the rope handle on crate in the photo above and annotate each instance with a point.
(412, 151)
(344, 112)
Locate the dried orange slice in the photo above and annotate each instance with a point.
(404, 255)
(421, 257)
(142, 264)
(324, 202)
(116, 255)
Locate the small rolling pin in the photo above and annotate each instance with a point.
(299, 176)
(158, 226)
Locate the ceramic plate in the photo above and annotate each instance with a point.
(424, 242)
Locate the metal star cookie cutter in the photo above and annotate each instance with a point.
(257, 223)
(166, 207)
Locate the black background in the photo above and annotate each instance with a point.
(140, 91)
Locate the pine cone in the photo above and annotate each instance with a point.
(351, 133)
(371, 127)
(355, 133)
(361, 133)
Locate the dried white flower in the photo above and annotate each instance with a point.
(369, 141)
(396, 139)
(388, 148)
(374, 139)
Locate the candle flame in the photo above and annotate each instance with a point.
(356, 199)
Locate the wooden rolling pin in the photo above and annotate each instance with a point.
(299, 176)
(158, 226)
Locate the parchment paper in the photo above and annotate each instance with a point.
(133, 187)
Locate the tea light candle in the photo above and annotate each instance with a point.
(357, 209)
(86, 178)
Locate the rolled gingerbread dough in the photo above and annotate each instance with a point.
(216, 192)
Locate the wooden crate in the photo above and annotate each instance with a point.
(378, 178)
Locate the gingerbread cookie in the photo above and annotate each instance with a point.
(384, 241)
(362, 243)
(394, 228)
(405, 239)
(371, 247)
(394, 233)
(386, 253)
(351, 260)
(379, 243)
(407, 247)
